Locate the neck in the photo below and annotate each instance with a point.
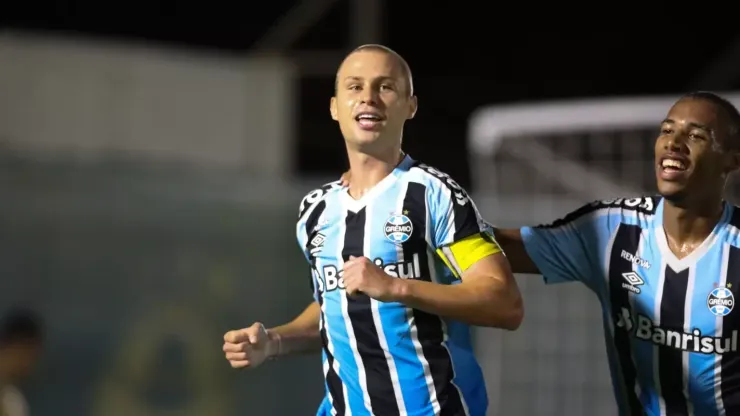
(686, 224)
(368, 169)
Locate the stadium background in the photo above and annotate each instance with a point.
(153, 155)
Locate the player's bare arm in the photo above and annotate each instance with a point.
(510, 240)
(487, 296)
(250, 347)
(299, 336)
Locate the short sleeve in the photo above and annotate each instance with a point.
(310, 214)
(573, 248)
(310, 239)
(454, 215)
(459, 235)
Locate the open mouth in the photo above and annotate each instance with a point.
(369, 120)
(672, 166)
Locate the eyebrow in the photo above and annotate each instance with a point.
(694, 125)
(381, 78)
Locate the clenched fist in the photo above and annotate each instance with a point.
(363, 276)
(248, 347)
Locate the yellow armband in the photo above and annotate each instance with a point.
(462, 254)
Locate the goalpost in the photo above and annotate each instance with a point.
(531, 164)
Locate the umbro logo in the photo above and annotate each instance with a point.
(632, 281)
(317, 243)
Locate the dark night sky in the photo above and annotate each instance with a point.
(462, 58)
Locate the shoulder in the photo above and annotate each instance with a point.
(313, 198)
(632, 210)
(436, 181)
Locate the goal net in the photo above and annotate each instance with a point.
(531, 164)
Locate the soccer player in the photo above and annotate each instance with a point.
(401, 264)
(665, 268)
(20, 346)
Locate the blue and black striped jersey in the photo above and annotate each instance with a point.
(385, 358)
(670, 324)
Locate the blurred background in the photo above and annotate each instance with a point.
(153, 156)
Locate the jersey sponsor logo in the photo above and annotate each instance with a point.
(398, 229)
(635, 260)
(632, 282)
(460, 196)
(330, 278)
(721, 301)
(643, 328)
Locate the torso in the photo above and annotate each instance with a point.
(675, 326)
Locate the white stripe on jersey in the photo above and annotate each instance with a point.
(450, 226)
(631, 296)
(374, 306)
(335, 363)
(345, 313)
(687, 329)
(451, 259)
(435, 279)
(656, 348)
(303, 234)
(718, 334)
(413, 330)
(610, 322)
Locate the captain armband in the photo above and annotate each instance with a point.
(462, 254)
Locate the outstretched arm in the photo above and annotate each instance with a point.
(511, 242)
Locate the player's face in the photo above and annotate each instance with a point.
(688, 153)
(372, 102)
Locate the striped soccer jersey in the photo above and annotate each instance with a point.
(383, 358)
(670, 324)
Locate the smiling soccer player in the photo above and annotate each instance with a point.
(666, 269)
(401, 265)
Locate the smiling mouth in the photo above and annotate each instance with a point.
(369, 121)
(672, 167)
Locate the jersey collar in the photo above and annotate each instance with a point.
(355, 205)
(679, 264)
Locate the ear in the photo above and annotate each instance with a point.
(413, 106)
(333, 108)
